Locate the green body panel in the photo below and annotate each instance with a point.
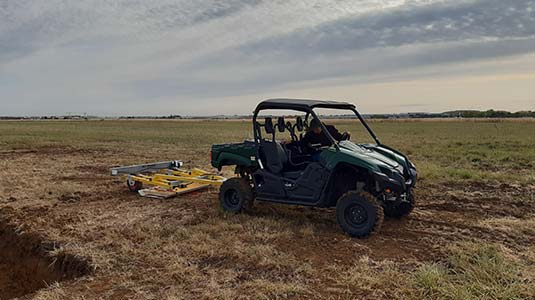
(332, 158)
(385, 167)
(390, 154)
(238, 154)
(369, 157)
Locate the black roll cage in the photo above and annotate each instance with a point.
(309, 110)
(308, 106)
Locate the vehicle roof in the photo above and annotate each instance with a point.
(302, 104)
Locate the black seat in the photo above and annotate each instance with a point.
(276, 160)
(274, 156)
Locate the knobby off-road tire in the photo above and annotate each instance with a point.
(236, 195)
(402, 209)
(359, 214)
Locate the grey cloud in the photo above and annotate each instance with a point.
(192, 49)
(409, 25)
(375, 65)
(65, 24)
(360, 47)
(172, 15)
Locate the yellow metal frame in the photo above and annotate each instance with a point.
(193, 177)
(198, 175)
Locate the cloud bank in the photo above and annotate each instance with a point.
(138, 57)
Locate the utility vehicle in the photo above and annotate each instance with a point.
(365, 182)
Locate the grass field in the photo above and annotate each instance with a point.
(62, 217)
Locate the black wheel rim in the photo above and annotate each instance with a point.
(356, 215)
(133, 185)
(232, 198)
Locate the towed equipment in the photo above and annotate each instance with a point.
(166, 179)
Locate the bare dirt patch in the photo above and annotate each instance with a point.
(28, 263)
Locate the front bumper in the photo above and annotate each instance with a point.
(396, 182)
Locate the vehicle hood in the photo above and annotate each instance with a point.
(374, 154)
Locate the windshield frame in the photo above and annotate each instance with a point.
(359, 117)
(310, 112)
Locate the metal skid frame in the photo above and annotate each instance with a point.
(167, 175)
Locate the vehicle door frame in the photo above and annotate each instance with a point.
(257, 131)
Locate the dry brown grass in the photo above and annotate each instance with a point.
(512, 225)
(54, 181)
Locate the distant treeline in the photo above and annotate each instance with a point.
(458, 114)
(73, 117)
(491, 114)
(416, 115)
(153, 117)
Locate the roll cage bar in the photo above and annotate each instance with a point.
(306, 106)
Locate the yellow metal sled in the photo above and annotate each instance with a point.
(166, 179)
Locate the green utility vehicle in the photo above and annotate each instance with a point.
(365, 182)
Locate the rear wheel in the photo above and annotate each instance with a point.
(134, 186)
(236, 195)
(359, 214)
(402, 209)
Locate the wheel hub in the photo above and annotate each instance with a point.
(232, 197)
(356, 214)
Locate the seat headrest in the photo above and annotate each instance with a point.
(281, 125)
(268, 125)
(299, 124)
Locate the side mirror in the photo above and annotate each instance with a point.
(268, 125)
(281, 124)
(299, 124)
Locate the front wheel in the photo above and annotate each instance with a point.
(359, 214)
(236, 195)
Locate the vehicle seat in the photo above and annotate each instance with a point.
(275, 156)
(276, 160)
(293, 174)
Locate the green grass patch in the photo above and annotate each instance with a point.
(474, 271)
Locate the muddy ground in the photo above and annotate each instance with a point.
(59, 201)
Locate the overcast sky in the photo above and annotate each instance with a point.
(199, 57)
